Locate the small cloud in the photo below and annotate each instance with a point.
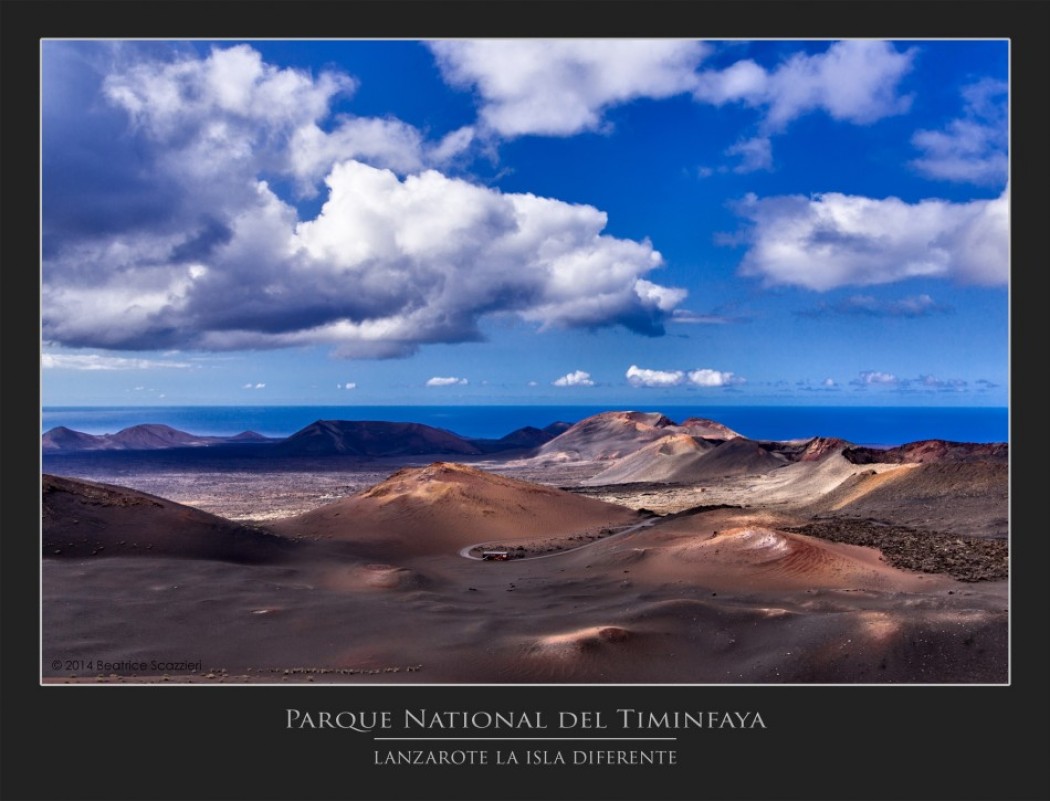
(827, 385)
(578, 378)
(912, 306)
(533, 383)
(932, 383)
(439, 381)
(94, 361)
(250, 385)
(640, 377)
(347, 385)
(694, 318)
(713, 378)
(755, 154)
(971, 148)
(874, 377)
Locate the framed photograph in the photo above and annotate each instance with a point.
(447, 400)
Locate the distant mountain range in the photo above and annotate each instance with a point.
(638, 446)
(148, 437)
(363, 438)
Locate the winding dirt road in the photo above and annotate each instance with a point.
(466, 551)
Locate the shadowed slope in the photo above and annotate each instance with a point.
(83, 518)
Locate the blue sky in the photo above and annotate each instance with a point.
(622, 222)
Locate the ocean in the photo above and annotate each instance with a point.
(860, 425)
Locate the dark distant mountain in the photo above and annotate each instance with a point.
(250, 436)
(324, 437)
(66, 439)
(523, 438)
(152, 436)
(931, 450)
(554, 429)
(370, 438)
(148, 437)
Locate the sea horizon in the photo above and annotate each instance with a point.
(869, 425)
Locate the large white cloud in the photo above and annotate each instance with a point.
(232, 109)
(386, 265)
(560, 87)
(832, 240)
(399, 254)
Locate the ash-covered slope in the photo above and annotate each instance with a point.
(931, 450)
(667, 460)
(445, 506)
(966, 497)
(85, 518)
(680, 459)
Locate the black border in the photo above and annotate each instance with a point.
(822, 742)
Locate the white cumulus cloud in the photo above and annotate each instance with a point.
(706, 377)
(971, 148)
(869, 377)
(831, 240)
(853, 80)
(641, 377)
(560, 87)
(446, 381)
(577, 378)
(347, 385)
(202, 252)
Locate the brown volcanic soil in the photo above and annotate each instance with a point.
(609, 435)
(445, 506)
(762, 592)
(963, 558)
(968, 498)
(672, 603)
(931, 450)
(681, 459)
(668, 459)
